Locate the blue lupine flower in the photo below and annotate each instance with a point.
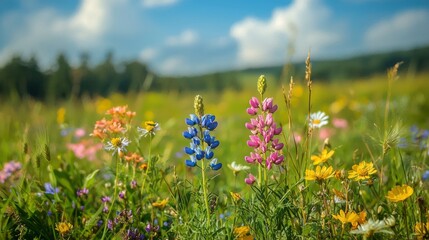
(215, 165)
(192, 132)
(425, 176)
(208, 121)
(209, 153)
(197, 149)
(50, 190)
(192, 120)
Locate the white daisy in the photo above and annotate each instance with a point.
(375, 226)
(150, 127)
(117, 145)
(318, 119)
(236, 168)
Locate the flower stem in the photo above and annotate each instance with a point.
(204, 185)
(115, 187)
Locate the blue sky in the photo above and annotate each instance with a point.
(197, 36)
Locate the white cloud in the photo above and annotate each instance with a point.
(171, 64)
(158, 3)
(148, 54)
(46, 32)
(187, 37)
(405, 29)
(304, 24)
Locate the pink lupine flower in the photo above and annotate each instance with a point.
(250, 179)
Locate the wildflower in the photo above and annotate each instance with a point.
(339, 174)
(133, 184)
(318, 119)
(361, 220)
(236, 168)
(425, 176)
(80, 132)
(349, 217)
(320, 174)
(143, 166)
(361, 171)
(117, 145)
(61, 113)
(63, 228)
(160, 204)
(199, 133)
(250, 179)
(240, 232)
(149, 129)
(323, 157)
(339, 197)
(421, 230)
(85, 149)
(122, 194)
(375, 226)
(399, 193)
(10, 169)
(133, 157)
(340, 123)
(105, 199)
(235, 196)
(263, 131)
(82, 192)
(50, 190)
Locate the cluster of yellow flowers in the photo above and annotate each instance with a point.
(362, 171)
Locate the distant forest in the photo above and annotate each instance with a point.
(21, 78)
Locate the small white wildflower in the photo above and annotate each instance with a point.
(236, 168)
(150, 127)
(318, 119)
(117, 145)
(375, 226)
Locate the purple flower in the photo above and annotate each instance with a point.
(50, 190)
(82, 192)
(105, 199)
(122, 194)
(133, 184)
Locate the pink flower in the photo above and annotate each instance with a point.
(298, 137)
(267, 104)
(254, 141)
(80, 132)
(250, 179)
(325, 133)
(340, 123)
(85, 149)
(254, 102)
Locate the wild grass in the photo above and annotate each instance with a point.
(377, 129)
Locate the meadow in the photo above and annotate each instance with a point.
(342, 160)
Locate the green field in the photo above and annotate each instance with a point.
(281, 204)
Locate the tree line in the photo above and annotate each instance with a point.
(23, 78)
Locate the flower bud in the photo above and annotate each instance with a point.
(199, 106)
(262, 84)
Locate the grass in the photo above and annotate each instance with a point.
(169, 200)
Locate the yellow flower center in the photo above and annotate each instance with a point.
(316, 121)
(116, 142)
(149, 125)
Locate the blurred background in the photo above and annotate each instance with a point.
(58, 49)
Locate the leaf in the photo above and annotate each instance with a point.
(89, 180)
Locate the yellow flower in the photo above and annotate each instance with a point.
(235, 196)
(63, 227)
(241, 232)
(362, 171)
(349, 217)
(421, 230)
(160, 204)
(399, 193)
(361, 220)
(323, 157)
(61, 113)
(321, 173)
